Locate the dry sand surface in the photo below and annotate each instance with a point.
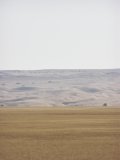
(59, 134)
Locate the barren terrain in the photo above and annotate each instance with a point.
(59, 133)
(60, 87)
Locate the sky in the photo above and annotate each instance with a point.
(59, 34)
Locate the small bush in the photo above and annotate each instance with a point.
(105, 104)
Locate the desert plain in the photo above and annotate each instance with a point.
(57, 87)
(46, 115)
(59, 133)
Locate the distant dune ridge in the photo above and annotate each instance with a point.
(60, 87)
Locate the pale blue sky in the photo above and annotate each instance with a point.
(44, 34)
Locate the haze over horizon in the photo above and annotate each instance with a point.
(73, 34)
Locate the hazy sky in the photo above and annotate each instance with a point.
(41, 34)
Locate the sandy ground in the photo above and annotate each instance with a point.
(59, 133)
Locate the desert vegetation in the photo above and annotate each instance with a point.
(59, 133)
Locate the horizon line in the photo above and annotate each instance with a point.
(59, 69)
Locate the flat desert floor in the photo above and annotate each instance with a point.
(59, 133)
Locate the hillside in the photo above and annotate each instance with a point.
(60, 87)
